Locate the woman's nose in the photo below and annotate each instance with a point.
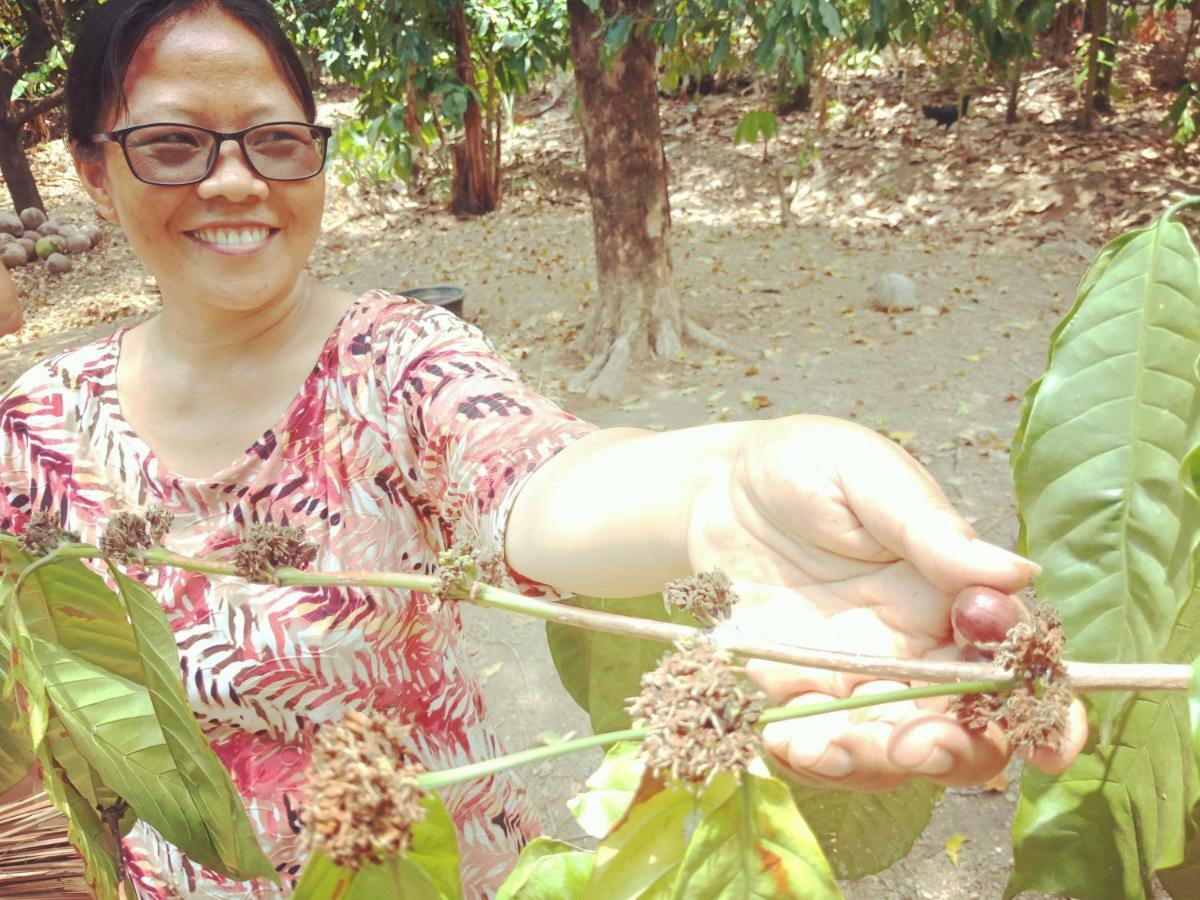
(232, 176)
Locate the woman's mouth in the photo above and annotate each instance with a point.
(244, 239)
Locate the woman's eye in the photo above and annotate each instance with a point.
(181, 139)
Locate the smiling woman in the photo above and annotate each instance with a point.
(387, 430)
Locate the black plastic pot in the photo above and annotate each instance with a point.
(447, 296)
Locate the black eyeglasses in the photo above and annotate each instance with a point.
(167, 153)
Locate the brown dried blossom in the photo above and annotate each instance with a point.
(43, 533)
(700, 714)
(128, 532)
(268, 546)
(709, 596)
(1034, 713)
(364, 798)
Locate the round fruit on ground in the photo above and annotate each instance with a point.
(50, 244)
(57, 263)
(13, 255)
(32, 218)
(10, 223)
(49, 227)
(93, 232)
(32, 235)
(77, 243)
(30, 248)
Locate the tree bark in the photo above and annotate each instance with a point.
(474, 187)
(14, 167)
(1014, 91)
(637, 310)
(1094, 23)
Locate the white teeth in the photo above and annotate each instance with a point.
(232, 237)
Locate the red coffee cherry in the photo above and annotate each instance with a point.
(983, 615)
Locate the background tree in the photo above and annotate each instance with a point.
(35, 44)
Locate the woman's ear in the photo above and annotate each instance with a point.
(93, 173)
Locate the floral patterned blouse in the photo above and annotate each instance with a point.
(409, 430)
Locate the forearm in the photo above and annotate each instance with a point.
(609, 515)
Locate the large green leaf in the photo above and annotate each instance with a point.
(435, 847)
(16, 753)
(609, 791)
(548, 870)
(601, 671)
(1104, 464)
(86, 833)
(1097, 460)
(639, 858)
(865, 833)
(398, 878)
(754, 844)
(204, 776)
(1194, 708)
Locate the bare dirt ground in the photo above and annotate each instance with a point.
(994, 225)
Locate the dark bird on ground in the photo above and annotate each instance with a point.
(946, 115)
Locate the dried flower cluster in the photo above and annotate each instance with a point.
(708, 597)
(458, 569)
(700, 715)
(268, 546)
(128, 532)
(44, 532)
(364, 796)
(1034, 714)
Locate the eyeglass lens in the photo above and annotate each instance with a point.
(175, 154)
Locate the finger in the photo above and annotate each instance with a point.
(1074, 737)
(905, 510)
(939, 748)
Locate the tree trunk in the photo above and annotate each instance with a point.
(14, 167)
(1014, 91)
(1102, 99)
(474, 188)
(1094, 20)
(637, 311)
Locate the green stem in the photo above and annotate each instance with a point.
(434, 780)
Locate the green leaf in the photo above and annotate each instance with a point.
(601, 671)
(754, 125)
(865, 833)
(398, 878)
(548, 870)
(1194, 708)
(1105, 433)
(1105, 463)
(86, 833)
(435, 847)
(640, 856)
(202, 773)
(609, 790)
(754, 844)
(16, 753)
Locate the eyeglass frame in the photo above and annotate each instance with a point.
(121, 135)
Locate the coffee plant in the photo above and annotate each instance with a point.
(1105, 465)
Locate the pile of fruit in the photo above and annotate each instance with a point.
(32, 237)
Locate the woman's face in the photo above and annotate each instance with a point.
(234, 241)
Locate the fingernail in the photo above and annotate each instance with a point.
(939, 762)
(834, 763)
(795, 748)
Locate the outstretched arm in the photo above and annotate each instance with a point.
(11, 318)
(833, 536)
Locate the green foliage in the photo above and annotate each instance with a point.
(1105, 466)
(548, 870)
(428, 870)
(1194, 708)
(1183, 119)
(760, 124)
(609, 790)
(601, 671)
(865, 833)
(118, 722)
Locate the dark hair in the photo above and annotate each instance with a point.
(114, 31)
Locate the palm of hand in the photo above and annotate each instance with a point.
(841, 543)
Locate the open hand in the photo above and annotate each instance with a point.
(835, 538)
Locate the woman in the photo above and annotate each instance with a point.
(387, 428)
(11, 318)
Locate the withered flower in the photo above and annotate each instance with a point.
(1034, 713)
(709, 597)
(700, 714)
(268, 546)
(457, 571)
(43, 533)
(364, 798)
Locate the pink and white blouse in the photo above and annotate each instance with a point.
(409, 430)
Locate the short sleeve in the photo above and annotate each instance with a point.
(474, 432)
